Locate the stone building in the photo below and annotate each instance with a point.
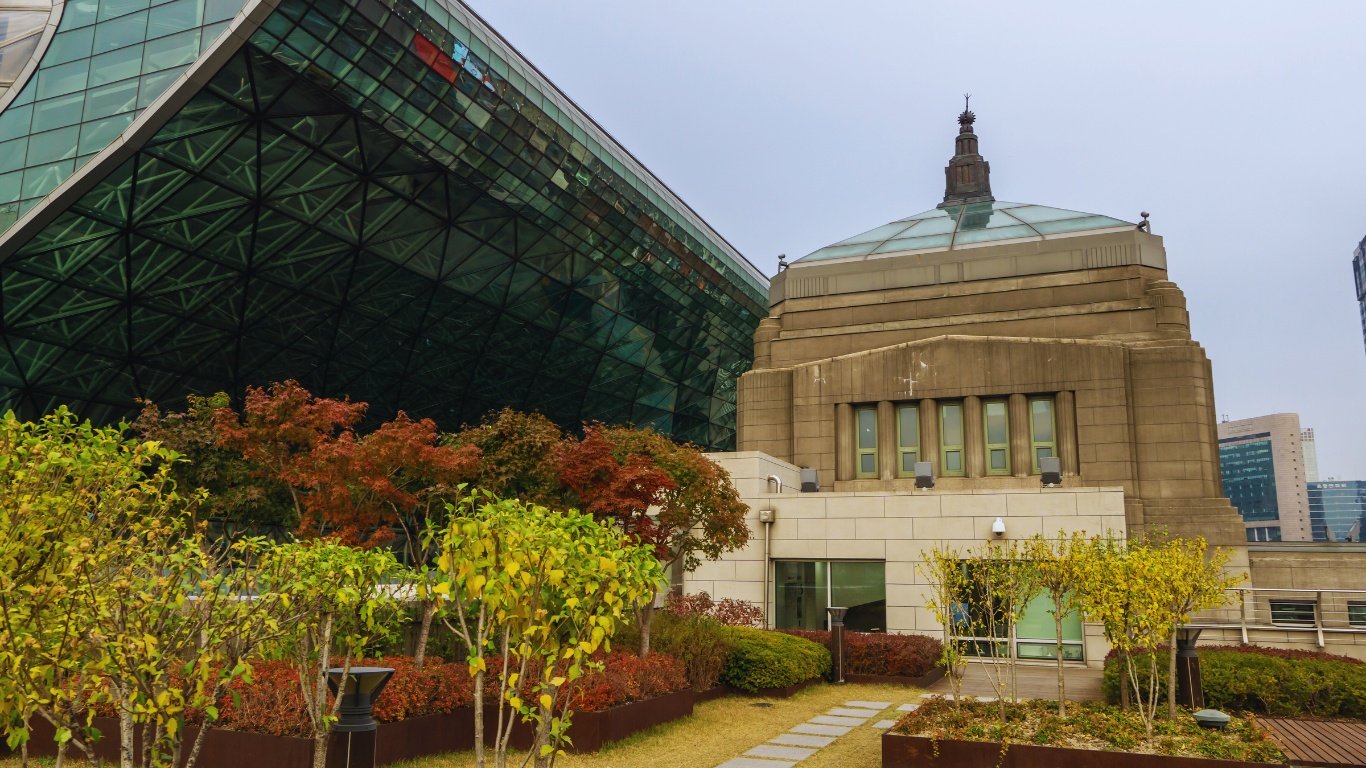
(982, 341)
(1264, 464)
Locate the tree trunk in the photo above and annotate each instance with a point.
(126, 733)
(541, 757)
(423, 633)
(1123, 659)
(1171, 680)
(647, 615)
(320, 696)
(479, 719)
(1062, 686)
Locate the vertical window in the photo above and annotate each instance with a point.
(951, 439)
(1042, 431)
(865, 459)
(804, 589)
(907, 439)
(996, 425)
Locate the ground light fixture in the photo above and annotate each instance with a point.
(837, 643)
(358, 688)
(1211, 718)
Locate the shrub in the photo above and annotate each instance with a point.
(730, 612)
(1270, 681)
(699, 642)
(878, 653)
(626, 678)
(762, 659)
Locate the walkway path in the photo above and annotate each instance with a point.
(1319, 742)
(1032, 682)
(802, 741)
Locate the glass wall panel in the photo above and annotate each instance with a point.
(862, 588)
(801, 594)
(996, 424)
(866, 448)
(1036, 633)
(951, 439)
(907, 439)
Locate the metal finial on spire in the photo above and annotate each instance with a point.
(966, 119)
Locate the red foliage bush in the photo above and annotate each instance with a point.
(732, 613)
(878, 653)
(626, 678)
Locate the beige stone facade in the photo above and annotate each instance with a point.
(987, 340)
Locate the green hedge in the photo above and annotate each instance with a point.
(761, 659)
(1251, 681)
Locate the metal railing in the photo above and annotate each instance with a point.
(1323, 612)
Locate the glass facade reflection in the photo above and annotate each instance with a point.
(380, 199)
(1249, 475)
(804, 589)
(1337, 509)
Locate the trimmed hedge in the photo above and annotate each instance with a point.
(879, 653)
(762, 659)
(1267, 681)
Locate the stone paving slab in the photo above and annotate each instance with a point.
(908, 707)
(837, 720)
(879, 705)
(884, 724)
(851, 712)
(802, 740)
(784, 753)
(754, 762)
(816, 729)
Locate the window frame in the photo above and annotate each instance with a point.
(902, 447)
(987, 445)
(829, 589)
(859, 450)
(1294, 607)
(1356, 613)
(1034, 442)
(945, 448)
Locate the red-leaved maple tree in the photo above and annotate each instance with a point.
(668, 495)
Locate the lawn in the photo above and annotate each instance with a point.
(721, 729)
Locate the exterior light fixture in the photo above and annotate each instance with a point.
(924, 475)
(1050, 471)
(837, 643)
(1211, 718)
(998, 528)
(358, 688)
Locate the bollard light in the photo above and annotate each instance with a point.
(837, 643)
(363, 685)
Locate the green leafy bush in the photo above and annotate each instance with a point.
(698, 641)
(1251, 680)
(762, 659)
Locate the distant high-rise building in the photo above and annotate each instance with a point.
(1262, 464)
(1359, 272)
(1337, 509)
(1311, 455)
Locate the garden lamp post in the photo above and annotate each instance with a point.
(837, 643)
(358, 688)
(1189, 691)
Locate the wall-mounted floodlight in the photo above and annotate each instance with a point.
(924, 475)
(1050, 469)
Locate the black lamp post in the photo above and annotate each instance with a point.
(837, 643)
(1189, 691)
(358, 688)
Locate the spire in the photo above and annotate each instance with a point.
(967, 178)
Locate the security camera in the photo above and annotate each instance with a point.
(998, 528)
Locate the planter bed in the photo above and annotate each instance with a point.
(393, 742)
(924, 681)
(900, 751)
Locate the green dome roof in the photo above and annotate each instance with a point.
(958, 226)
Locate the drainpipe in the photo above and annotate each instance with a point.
(766, 517)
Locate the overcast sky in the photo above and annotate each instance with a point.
(1240, 127)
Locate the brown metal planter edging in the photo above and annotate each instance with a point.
(900, 751)
(924, 681)
(395, 741)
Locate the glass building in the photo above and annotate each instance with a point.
(1249, 475)
(1337, 509)
(1359, 274)
(379, 198)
